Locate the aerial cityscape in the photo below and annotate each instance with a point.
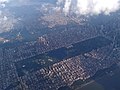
(59, 45)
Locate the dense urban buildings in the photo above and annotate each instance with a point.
(45, 50)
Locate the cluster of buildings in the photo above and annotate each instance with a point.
(61, 73)
(66, 72)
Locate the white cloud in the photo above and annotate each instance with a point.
(83, 7)
(2, 1)
(67, 6)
